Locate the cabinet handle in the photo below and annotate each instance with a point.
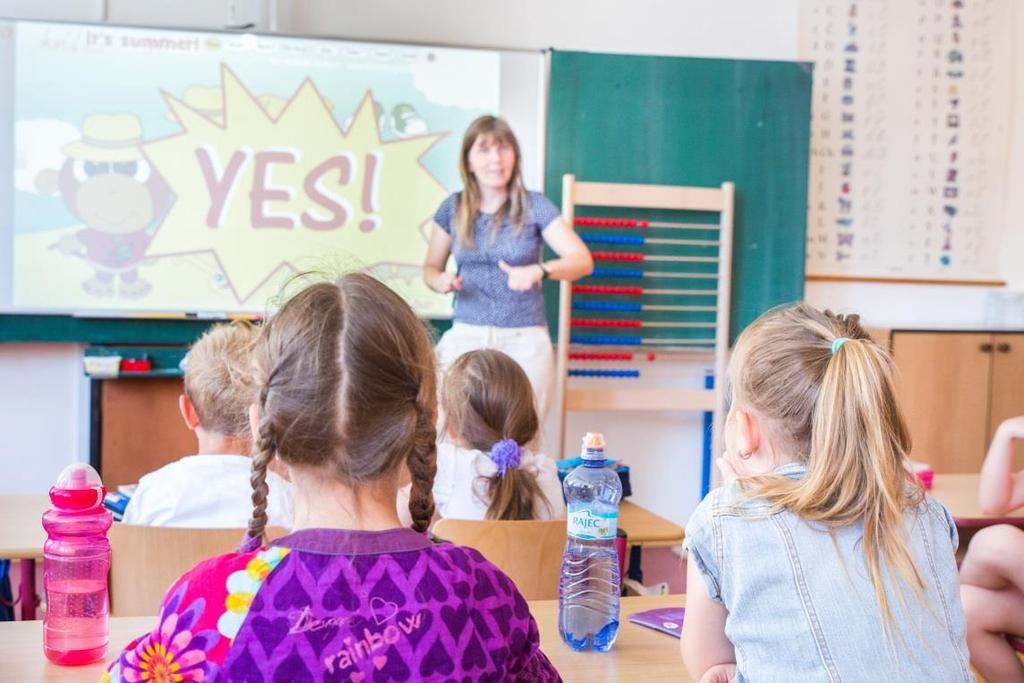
(985, 348)
(1003, 348)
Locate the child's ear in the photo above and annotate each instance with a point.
(452, 432)
(188, 412)
(748, 432)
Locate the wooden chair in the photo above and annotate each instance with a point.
(529, 552)
(146, 560)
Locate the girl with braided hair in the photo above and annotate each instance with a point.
(347, 403)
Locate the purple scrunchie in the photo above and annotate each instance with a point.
(505, 455)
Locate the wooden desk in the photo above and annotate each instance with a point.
(959, 493)
(639, 654)
(21, 538)
(645, 528)
(21, 526)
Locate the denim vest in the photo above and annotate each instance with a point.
(800, 599)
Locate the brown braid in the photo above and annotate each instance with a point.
(265, 450)
(422, 464)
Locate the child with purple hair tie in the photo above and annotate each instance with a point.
(486, 469)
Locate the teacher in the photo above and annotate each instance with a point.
(496, 231)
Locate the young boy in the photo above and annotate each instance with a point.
(211, 489)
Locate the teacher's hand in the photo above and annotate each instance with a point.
(446, 282)
(522, 278)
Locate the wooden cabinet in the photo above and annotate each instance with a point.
(955, 388)
(139, 428)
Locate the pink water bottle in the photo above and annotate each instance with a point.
(76, 559)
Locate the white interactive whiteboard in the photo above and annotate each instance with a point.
(146, 170)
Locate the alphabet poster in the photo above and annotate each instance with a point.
(911, 115)
(169, 170)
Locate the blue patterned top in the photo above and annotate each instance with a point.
(485, 298)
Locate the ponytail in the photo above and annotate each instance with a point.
(511, 491)
(513, 495)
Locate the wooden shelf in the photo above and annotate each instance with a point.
(641, 399)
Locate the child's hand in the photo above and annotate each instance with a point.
(719, 673)
(522, 278)
(1013, 428)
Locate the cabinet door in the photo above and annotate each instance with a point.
(1007, 383)
(141, 428)
(944, 392)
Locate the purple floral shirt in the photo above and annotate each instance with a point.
(333, 605)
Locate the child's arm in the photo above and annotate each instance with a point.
(198, 619)
(703, 644)
(1001, 490)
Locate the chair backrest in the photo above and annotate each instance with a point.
(529, 552)
(146, 560)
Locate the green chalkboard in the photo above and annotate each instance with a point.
(686, 121)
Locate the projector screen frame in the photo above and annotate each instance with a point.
(105, 326)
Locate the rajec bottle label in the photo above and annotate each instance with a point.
(585, 524)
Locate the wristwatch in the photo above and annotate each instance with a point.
(545, 270)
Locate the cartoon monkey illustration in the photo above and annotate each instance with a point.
(107, 183)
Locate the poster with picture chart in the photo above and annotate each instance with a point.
(909, 136)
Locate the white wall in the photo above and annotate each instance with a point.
(43, 414)
(748, 29)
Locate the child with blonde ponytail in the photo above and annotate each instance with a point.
(820, 559)
(346, 402)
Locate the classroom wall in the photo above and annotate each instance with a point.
(747, 29)
(43, 414)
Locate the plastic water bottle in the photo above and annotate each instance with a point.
(76, 559)
(588, 595)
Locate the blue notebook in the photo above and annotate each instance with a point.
(116, 502)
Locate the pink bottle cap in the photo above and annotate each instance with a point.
(78, 487)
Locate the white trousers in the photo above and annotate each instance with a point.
(528, 346)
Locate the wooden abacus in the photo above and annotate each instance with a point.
(703, 262)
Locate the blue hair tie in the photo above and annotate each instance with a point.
(505, 455)
(838, 344)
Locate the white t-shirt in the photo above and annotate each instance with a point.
(460, 492)
(206, 492)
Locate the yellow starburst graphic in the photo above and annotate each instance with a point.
(291, 190)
